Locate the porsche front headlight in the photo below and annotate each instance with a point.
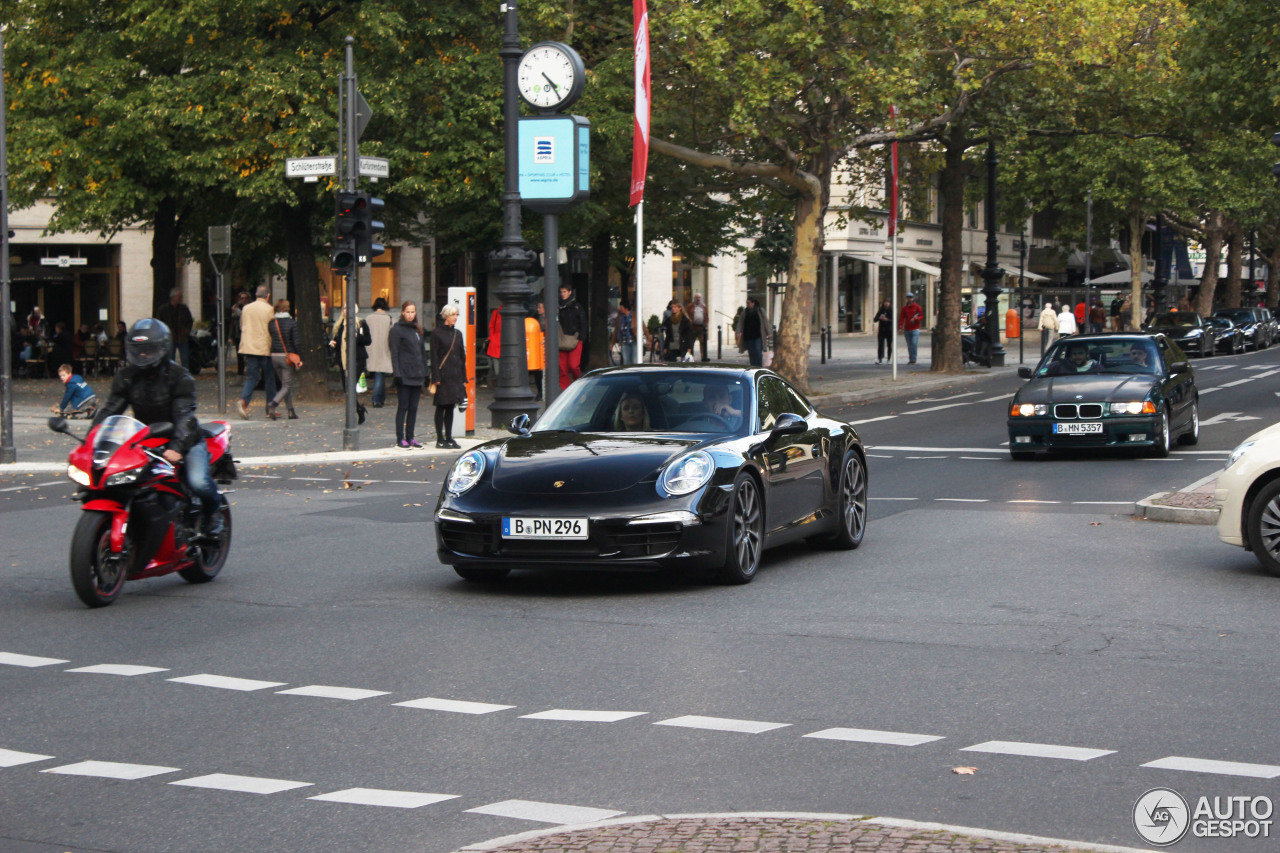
(688, 473)
(465, 473)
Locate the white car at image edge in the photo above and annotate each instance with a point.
(1248, 498)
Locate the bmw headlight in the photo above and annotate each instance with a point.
(124, 478)
(79, 476)
(1238, 452)
(1144, 408)
(688, 473)
(1026, 410)
(465, 473)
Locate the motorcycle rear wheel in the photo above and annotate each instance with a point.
(210, 557)
(97, 575)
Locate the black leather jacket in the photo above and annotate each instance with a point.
(167, 393)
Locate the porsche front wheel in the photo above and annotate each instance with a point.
(746, 532)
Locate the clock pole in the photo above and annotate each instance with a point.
(513, 396)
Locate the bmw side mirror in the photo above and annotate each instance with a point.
(520, 425)
(1024, 372)
(1179, 367)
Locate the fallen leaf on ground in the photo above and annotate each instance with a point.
(964, 771)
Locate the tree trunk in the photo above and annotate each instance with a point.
(296, 223)
(1235, 240)
(1212, 251)
(164, 252)
(598, 302)
(791, 334)
(947, 357)
(1136, 308)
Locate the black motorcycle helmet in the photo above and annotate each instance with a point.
(148, 344)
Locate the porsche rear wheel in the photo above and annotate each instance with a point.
(746, 532)
(1263, 527)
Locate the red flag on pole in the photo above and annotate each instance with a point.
(893, 182)
(640, 148)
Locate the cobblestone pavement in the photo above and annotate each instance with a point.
(774, 834)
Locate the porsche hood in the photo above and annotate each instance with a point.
(569, 463)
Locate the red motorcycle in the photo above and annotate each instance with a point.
(139, 519)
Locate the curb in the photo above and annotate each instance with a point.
(888, 823)
(891, 389)
(1149, 509)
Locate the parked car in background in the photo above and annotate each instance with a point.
(1248, 498)
(1110, 390)
(1268, 318)
(1191, 332)
(1256, 333)
(1231, 337)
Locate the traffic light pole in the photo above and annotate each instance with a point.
(8, 453)
(351, 162)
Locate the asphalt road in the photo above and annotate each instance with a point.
(1009, 617)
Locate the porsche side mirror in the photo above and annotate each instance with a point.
(1024, 372)
(520, 426)
(160, 429)
(786, 424)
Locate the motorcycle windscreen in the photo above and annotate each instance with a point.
(113, 433)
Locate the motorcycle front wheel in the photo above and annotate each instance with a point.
(97, 574)
(210, 556)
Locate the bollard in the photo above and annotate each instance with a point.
(719, 343)
(829, 335)
(822, 345)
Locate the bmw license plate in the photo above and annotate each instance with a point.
(1078, 429)
(544, 528)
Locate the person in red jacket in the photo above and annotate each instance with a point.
(909, 320)
(493, 347)
(1081, 312)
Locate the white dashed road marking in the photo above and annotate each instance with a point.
(243, 784)
(1225, 768)
(28, 660)
(112, 770)
(1030, 501)
(12, 758)
(322, 692)
(721, 724)
(454, 705)
(118, 669)
(545, 812)
(963, 500)
(226, 683)
(1038, 750)
(570, 715)
(874, 736)
(379, 797)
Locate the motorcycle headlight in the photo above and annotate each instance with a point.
(466, 472)
(79, 476)
(1238, 452)
(688, 473)
(124, 478)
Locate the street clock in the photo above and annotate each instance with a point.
(550, 76)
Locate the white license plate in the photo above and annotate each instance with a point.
(544, 528)
(1078, 429)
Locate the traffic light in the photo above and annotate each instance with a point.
(356, 227)
(370, 227)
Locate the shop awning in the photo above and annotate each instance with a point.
(903, 261)
(1120, 277)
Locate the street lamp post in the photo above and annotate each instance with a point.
(513, 396)
(992, 274)
(8, 453)
(1158, 282)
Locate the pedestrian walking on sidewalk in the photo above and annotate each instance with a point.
(698, 315)
(409, 369)
(255, 346)
(573, 325)
(752, 330)
(378, 365)
(448, 373)
(884, 332)
(1067, 321)
(177, 316)
(909, 320)
(284, 343)
(1048, 326)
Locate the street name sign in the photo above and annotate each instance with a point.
(375, 167)
(310, 168)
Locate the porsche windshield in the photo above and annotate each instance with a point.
(1070, 357)
(649, 401)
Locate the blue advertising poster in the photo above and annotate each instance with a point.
(584, 160)
(548, 148)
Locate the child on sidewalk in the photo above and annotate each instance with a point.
(79, 399)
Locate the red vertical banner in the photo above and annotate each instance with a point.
(640, 148)
(893, 181)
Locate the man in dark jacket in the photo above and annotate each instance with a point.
(572, 325)
(161, 390)
(177, 317)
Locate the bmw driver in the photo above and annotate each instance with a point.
(161, 390)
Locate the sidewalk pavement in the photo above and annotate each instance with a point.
(850, 376)
(775, 833)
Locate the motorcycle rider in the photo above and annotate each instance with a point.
(161, 390)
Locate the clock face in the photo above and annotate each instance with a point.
(548, 77)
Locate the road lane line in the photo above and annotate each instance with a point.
(12, 758)
(225, 682)
(1102, 503)
(874, 736)
(570, 715)
(937, 449)
(963, 500)
(1224, 768)
(894, 499)
(14, 659)
(323, 692)
(381, 797)
(872, 420)
(1038, 750)
(982, 458)
(243, 784)
(118, 669)
(112, 770)
(453, 706)
(721, 724)
(1029, 501)
(545, 812)
(944, 399)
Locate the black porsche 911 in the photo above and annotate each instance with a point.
(687, 468)
(1108, 390)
